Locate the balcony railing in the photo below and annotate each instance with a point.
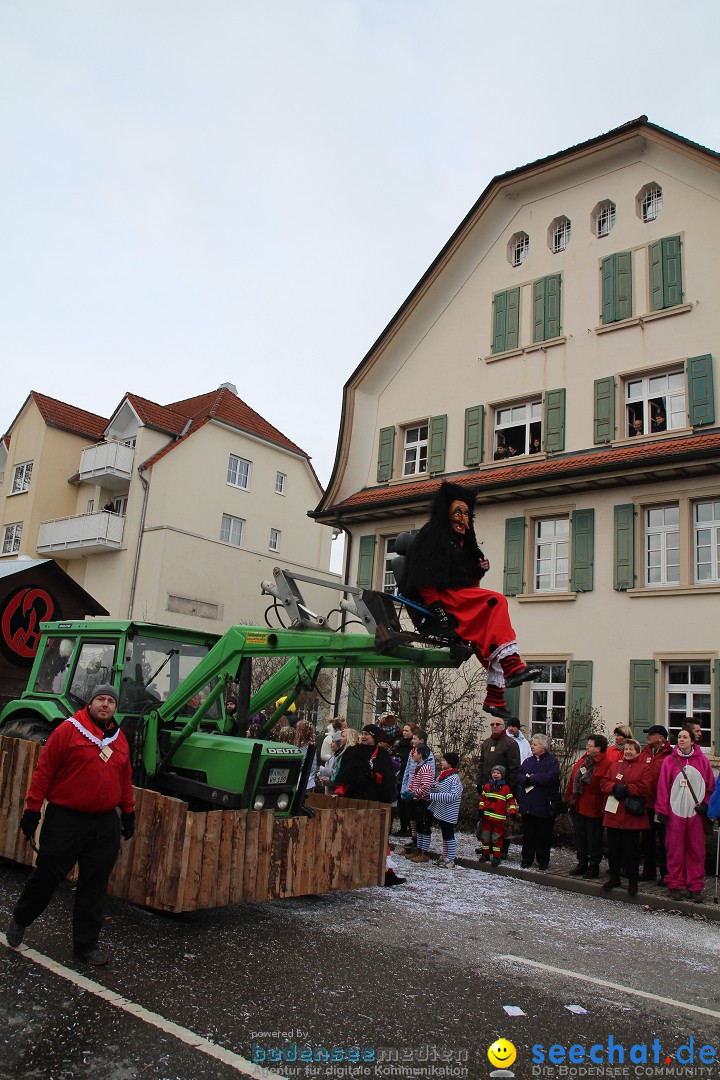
(111, 463)
(87, 534)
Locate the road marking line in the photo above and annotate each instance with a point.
(611, 985)
(183, 1034)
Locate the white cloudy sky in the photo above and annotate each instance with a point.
(195, 191)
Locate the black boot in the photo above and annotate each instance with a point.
(591, 872)
(632, 886)
(613, 882)
(580, 868)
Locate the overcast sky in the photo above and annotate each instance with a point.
(201, 191)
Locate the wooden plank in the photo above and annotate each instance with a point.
(264, 857)
(237, 861)
(224, 864)
(252, 827)
(207, 889)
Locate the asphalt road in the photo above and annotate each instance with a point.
(418, 978)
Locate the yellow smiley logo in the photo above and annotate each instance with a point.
(502, 1054)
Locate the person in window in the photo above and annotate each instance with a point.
(658, 421)
(444, 567)
(636, 428)
(511, 450)
(499, 454)
(109, 506)
(535, 446)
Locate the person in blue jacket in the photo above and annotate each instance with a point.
(538, 784)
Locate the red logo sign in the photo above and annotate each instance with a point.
(20, 618)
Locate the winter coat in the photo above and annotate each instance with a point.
(635, 775)
(402, 748)
(353, 779)
(445, 796)
(542, 775)
(503, 751)
(422, 780)
(673, 794)
(523, 745)
(614, 753)
(410, 769)
(497, 803)
(591, 801)
(383, 786)
(655, 763)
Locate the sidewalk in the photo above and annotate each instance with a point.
(562, 860)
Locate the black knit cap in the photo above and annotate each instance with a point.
(453, 760)
(372, 729)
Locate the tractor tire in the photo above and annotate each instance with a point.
(33, 728)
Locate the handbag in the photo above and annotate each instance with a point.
(707, 823)
(556, 806)
(635, 805)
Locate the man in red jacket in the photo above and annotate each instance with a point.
(84, 773)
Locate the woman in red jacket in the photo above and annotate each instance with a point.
(585, 801)
(629, 778)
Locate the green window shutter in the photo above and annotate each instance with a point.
(701, 396)
(580, 673)
(386, 452)
(513, 319)
(366, 562)
(607, 289)
(604, 410)
(656, 275)
(539, 310)
(671, 271)
(408, 696)
(583, 550)
(514, 556)
(624, 547)
(512, 699)
(437, 437)
(642, 695)
(554, 421)
(553, 285)
(500, 322)
(474, 418)
(355, 702)
(623, 285)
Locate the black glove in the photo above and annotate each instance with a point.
(29, 823)
(701, 809)
(661, 818)
(441, 616)
(620, 791)
(127, 824)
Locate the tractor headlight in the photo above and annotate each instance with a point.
(259, 802)
(283, 801)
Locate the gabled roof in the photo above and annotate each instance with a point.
(66, 417)
(585, 469)
(616, 135)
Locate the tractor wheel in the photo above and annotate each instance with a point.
(33, 728)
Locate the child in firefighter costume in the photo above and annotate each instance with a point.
(497, 804)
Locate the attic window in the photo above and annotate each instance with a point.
(603, 218)
(560, 231)
(650, 201)
(519, 248)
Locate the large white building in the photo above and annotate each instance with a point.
(169, 513)
(572, 319)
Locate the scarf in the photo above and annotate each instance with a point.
(584, 778)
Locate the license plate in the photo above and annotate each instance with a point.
(278, 776)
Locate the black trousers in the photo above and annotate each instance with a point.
(68, 837)
(624, 851)
(403, 810)
(422, 816)
(588, 838)
(653, 847)
(537, 838)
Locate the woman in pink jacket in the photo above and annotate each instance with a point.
(684, 788)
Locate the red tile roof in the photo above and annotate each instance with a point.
(512, 478)
(69, 417)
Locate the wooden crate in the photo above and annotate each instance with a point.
(184, 861)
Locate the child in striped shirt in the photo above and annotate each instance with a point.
(445, 795)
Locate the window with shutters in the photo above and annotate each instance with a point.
(688, 692)
(649, 202)
(518, 248)
(655, 403)
(21, 478)
(12, 535)
(665, 273)
(506, 321)
(238, 472)
(389, 583)
(232, 530)
(616, 287)
(706, 540)
(548, 701)
(518, 429)
(662, 545)
(559, 234)
(415, 450)
(603, 218)
(551, 554)
(387, 691)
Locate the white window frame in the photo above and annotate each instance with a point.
(389, 584)
(556, 702)
(697, 697)
(280, 482)
(21, 478)
(416, 444)
(650, 202)
(519, 248)
(274, 541)
(552, 549)
(711, 541)
(662, 538)
(238, 472)
(12, 535)
(232, 530)
(387, 691)
(519, 414)
(605, 217)
(560, 234)
(643, 392)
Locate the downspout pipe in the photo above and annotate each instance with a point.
(343, 618)
(136, 564)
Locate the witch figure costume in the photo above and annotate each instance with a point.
(445, 566)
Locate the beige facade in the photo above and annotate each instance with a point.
(200, 514)
(610, 315)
